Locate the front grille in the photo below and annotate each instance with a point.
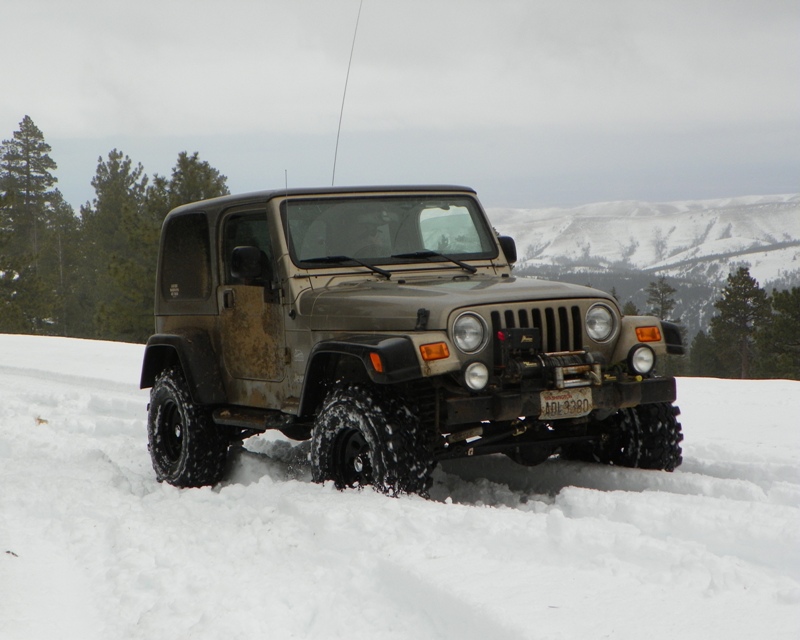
(561, 327)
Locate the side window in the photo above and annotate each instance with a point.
(245, 230)
(186, 262)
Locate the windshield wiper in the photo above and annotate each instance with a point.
(436, 254)
(343, 259)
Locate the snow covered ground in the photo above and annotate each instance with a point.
(92, 547)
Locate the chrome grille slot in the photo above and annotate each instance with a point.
(551, 331)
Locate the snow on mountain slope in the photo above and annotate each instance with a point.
(91, 546)
(669, 238)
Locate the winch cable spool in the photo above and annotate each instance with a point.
(344, 95)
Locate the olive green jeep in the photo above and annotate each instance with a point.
(385, 325)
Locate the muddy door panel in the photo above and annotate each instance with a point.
(251, 331)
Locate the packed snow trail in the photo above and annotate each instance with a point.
(92, 547)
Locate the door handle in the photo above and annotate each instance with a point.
(228, 299)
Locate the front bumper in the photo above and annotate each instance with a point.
(510, 405)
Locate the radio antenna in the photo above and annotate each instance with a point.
(344, 95)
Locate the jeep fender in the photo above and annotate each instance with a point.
(673, 338)
(191, 348)
(396, 355)
(628, 338)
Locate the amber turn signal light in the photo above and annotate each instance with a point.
(648, 334)
(434, 351)
(377, 363)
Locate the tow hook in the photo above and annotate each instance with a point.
(521, 428)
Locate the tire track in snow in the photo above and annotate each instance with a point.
(71, 403)
(79, 381)
(721, 521)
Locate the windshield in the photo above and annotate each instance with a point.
(386, 230)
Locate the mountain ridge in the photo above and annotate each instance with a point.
(694, 244)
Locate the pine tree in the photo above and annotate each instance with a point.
(27, 180)
(33, 221)
(778, 341)
(193, 180)
(630, 309)
(661, 303)
(660, 298)
(743, 308)
(124, 227)
(120, 188)
(59, 256)
(704, 357)
(12, 320)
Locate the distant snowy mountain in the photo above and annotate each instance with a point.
(694, 244)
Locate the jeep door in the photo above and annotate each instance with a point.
(251, 324)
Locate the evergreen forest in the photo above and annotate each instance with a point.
(91, 273)
(88, 274)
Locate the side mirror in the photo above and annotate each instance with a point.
(249, 263)
(509, 248)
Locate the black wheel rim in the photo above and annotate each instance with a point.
(171, 432)
(350, 460)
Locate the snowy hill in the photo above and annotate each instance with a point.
(694, 244)
(669, 239)
(92, 547)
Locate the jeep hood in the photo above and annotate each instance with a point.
(393, 305)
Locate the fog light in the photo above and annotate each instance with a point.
(641, 359)
(476, 375)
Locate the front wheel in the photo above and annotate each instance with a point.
(645, 437)
(186, 447)
(368, 436)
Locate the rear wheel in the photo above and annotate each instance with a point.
(367, 436)
(186, 447)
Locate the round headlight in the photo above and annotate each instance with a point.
(641, 359)
(600, 323)
(476, 375)
(469, 332)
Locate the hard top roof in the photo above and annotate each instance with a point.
(215, 204)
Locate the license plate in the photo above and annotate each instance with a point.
(565, 403)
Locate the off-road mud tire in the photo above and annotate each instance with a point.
(365, 435)
(186, 447)
(660, 435)
(644, 437)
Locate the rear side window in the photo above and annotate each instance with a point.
(186, 259)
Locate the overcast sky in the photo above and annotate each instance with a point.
(532, 102)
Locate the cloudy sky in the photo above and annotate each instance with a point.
(532, 102)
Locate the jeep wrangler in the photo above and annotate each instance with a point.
(385, 325)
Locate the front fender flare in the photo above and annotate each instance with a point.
(397, 353)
